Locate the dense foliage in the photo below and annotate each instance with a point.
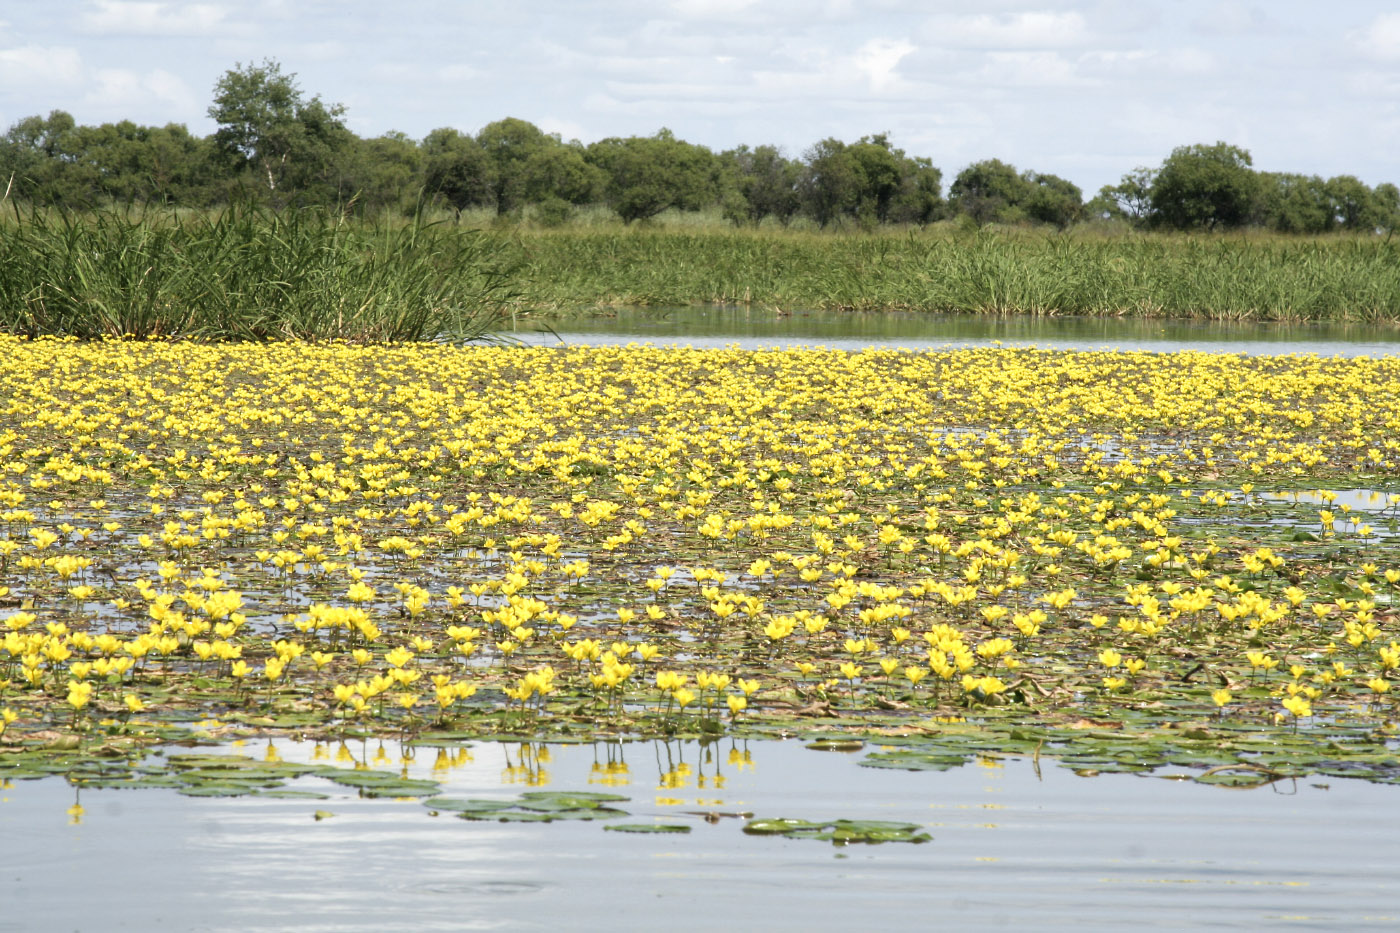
(274, 145)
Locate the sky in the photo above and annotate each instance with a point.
(1084, 89)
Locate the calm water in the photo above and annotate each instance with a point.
(1011, 848)
(719, 327)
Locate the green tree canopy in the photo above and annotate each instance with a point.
(267, 125)
(509, 145)
(1129, 200)
(1204, 186)
(561, 172)
(1051, 199)
(990, 191)
(645, 175)
(764, 183)
(1352, 204)
(456, 169)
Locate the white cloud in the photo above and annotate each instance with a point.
(877, 60)
(567, 129)
(40, 66)
(122, 93)
(711, 9)
(1231, 19)
(1028, 69)
(1380, 40)
(128, 18)
(457, 73)
(1035, 30)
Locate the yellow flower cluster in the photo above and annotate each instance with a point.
(631, 535)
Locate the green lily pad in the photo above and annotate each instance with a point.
(779, 827)
(215, 790)
(573, 795)
(507, 816)
(647, 828)
(912, 761)
(467, 806)
(841, 832)
(411, 788)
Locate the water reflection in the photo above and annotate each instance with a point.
(750, 328)
(1011, 846)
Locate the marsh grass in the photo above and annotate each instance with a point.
(1265, 278)
(246, 274)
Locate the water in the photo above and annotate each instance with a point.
(1014, 845)
(749, 328)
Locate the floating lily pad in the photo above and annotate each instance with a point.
(572, 795)
(507, 816)
(215, 790)
(836, 745)
(779, 827)
(467, 806)
(913, 761)
(647, 828)
(841, 832)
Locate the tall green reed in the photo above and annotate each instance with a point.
(247, 274)
(1160, 275)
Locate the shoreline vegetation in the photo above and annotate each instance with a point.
(250, 273)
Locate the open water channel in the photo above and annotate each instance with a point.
(1015, 843)
(754, 328)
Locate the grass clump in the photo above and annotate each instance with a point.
(245, 274)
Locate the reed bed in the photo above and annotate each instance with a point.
(1240, 278)
(245, 274)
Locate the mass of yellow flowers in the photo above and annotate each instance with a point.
(394, 539)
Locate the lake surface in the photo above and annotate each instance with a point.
(1014, 845)
(749, 328)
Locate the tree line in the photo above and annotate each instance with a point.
(278, 146)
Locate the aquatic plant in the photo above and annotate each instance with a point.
(1018, 548)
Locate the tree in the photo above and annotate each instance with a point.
(1204, 186)
(1292, 203)
(1352, 204)
(456, 169)
(384, 172)
(1128, 200)
(509, 145)
(39, 160)
(268, 126)
(645, 175)
(1386, 198)
(761, 183)
(148, 164)
(879, 167)
(990, 191)
(1053, 200)
(831, 182)
(920, 196)
(560, 172)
